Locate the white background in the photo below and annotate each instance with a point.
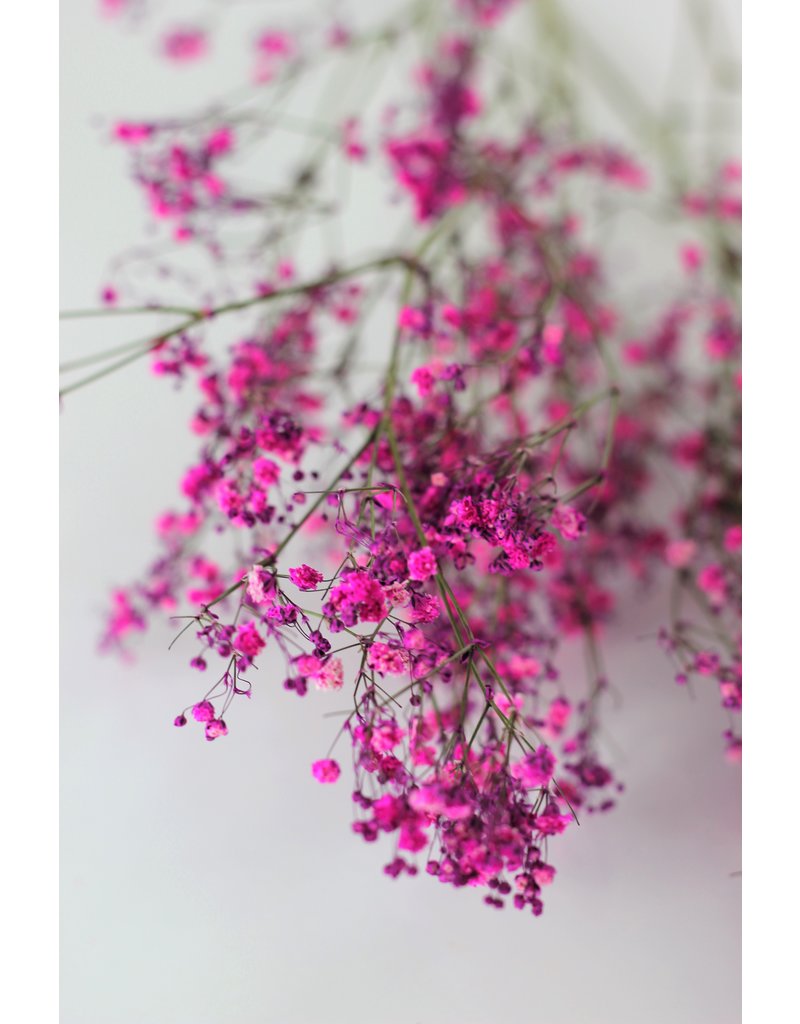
(219, 882)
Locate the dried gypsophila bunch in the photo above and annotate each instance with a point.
(492, 499)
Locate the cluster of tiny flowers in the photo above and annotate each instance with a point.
(487, 498)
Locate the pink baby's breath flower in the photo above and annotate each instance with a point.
(411, 318)
(358, 597)
(711, 580)
(203, 712)
(331, 675)
(426, 608)
(132, 132)
(185, 44)
(706, 663)
(266, 472)
(305, 578)
(424, 380)
(216, 728)
(276, 43)
(326, 770)
(387, 660)
(397, 595)
(553, 335)
(679, 553)
(273, 49)
(570, 523)
(414, 640)
(558, 715)
(260, 584)
(692, 258)
(308, 664)
(353, 147)
(552, 822)
(535, 770)
(248, 640)
(113, 8)
(544, 874)
(422, 564)
(733, 539)
(522, 666)
(508, 706)
(485, 12)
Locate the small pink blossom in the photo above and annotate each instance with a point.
(215, 728)
(558, 715)
(535, 770)
(509, 706)
(423, 380)
(679, 553)
(305, 578)
(412, 837)
(523, 666)
(386, 734)
(185, 44)
(203, 712)
(711, 580)
(112, 8)
(248, 640)
(274, 49)
(426, 608)
(326, 770)
(570, 523)
(733, 539)
(413, 318)
(266, 472)
(544, 874)
(260, 584)
(308, 664)
(552, 822)
(330, 675)
(357, 597)
(276, 43)
(692, 258)
(220, 141)
(422, 564)
(706, 663)
(353, 147)
(132, 132)
(387, 660)
(397, 595)
(414, 640)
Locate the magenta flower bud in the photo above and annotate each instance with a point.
(180, 721)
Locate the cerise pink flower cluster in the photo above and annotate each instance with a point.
(419, 544)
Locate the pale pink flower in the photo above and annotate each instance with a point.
(326, 770)
(679, 553)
